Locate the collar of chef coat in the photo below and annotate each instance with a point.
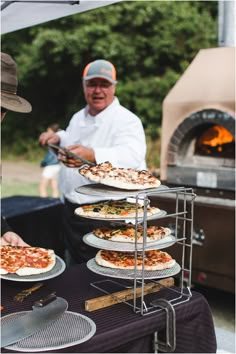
(100, 116)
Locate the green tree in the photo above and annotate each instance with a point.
(150, 42)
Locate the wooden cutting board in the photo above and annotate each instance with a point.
(125, 295)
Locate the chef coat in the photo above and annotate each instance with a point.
(115, 134)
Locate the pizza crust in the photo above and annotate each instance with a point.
(32, 271)
(3, 271)
(159, 266)
(125, 185)
(89, 175)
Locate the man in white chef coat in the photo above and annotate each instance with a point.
(102, 131)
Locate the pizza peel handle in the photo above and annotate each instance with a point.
(43, 313)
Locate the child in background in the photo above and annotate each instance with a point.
(51, 167)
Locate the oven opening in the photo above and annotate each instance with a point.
(215, 141)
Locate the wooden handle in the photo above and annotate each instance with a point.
(124, 295)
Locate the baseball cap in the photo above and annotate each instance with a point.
(100, 68)
(9, 98)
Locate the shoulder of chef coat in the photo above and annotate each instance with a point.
(117, 114)
(75, 122)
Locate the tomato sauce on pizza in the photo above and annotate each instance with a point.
(128, 233)
(26, 260)
(153, 260)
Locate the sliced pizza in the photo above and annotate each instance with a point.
(123, 178)
(26, 260)
(127, 233)
(153, 260)
(114, 209)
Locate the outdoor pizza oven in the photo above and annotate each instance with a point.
(198, 127)
(198, 150)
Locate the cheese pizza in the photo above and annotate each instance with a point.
(123, 178)
(114, 209)
(153, 260)
(26, 260)
(126, 233)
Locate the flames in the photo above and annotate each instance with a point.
(216, 136)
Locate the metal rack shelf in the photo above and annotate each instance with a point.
(183, 235)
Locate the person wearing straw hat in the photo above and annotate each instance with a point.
(10, 101)
(104, 130)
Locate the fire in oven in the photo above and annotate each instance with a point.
(201, 151)
(215, 141)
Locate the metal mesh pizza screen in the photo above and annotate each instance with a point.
(91, 240)
(101, 189)
(54, 272)
(129, 273)
(70, 329)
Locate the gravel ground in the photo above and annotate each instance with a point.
(21, 171)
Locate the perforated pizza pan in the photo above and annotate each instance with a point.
(158, 215)
(70, 329)
(129, 273)
(54, 272)
(98, 189)
(91, 240)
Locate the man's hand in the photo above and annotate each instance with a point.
(11, 238)
(82, 151)
(49, 138)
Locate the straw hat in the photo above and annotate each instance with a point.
(9, 99)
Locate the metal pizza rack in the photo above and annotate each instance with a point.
(181, 221)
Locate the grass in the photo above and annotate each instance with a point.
(9, 189)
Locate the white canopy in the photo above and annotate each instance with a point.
(18, 14)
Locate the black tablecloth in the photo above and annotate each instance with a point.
(37, 220)
(119, 329)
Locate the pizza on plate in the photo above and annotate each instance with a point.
(153, 260)
(126, 233)
(123, 178)
(26, 260)
(114, 209)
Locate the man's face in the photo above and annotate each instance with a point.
(99, 94)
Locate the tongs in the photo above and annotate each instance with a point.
(68, 152)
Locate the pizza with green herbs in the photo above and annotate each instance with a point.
(114, 209)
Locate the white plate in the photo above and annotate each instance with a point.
(54, 272)
(158, 215)
(68, 330)
(94, 241)
(130, 273)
